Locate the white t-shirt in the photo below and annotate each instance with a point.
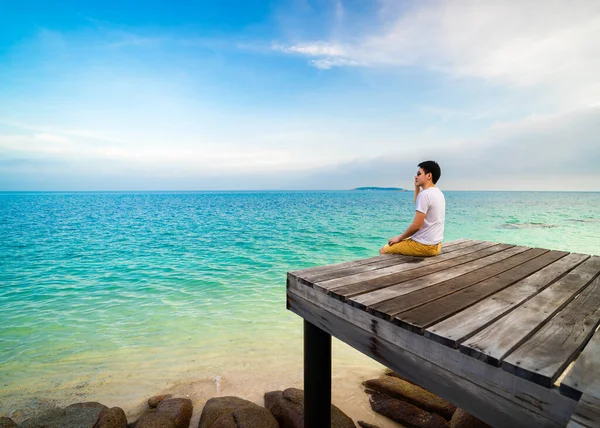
(431, 202)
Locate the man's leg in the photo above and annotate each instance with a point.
(402, 247)
(408, 247)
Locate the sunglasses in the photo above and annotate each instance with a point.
(419, 173)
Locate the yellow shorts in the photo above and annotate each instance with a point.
(408, 247)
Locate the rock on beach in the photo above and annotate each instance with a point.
(395, 387)
(153, 420)
(153, 402)
(111, 418)
(235, 412)
(288, 408)
(70, 417)
(7, 422)
(169, 413)
(405, 413)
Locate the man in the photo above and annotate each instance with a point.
(424, 236)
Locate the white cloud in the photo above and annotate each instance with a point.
(551, 152)
(328, 55)
(526, 43)
(52, 133)
(50, 138)
(222, 158)
(535, 153)
(37, 144)
(446, 114)
(312, 49)
(522, 43)
(327, 63)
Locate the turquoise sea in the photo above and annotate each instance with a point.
(115, 296)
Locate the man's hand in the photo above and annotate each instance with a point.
(411, 230)
(417, 190)
(394, 240)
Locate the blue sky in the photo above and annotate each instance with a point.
(299, 94)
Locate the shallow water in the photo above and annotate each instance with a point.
(116, 296)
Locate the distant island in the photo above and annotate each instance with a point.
(381, 188)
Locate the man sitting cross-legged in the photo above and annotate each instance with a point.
(424, 236)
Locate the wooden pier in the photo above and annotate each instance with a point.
(505, 332)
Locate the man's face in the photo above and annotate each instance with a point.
(420, 177)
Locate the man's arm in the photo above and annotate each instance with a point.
(411, 230)
(417, 190)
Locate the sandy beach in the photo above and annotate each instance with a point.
(247, 376)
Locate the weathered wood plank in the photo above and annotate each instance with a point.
(586, 414)
(524, 393)
(306, 275)
(501, 337)
(415, 268)
(387, 276)
(460, 327)
(584, 376)
(481, 402)
(319, 277)
(392, 307)
(457, 294)
(544, 356)
(368, 299)
(342, 265)
(387, 261)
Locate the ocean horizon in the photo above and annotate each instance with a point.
(283, 190)
(113, 296)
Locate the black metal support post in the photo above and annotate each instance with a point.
(317, 377)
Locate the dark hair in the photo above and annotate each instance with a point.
(433, 168)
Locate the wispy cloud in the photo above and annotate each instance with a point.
(446, 114)
(312, 49)
(53, 133)
(44, 148)
(328, 55)
(516, 43)
(535, 153)
(50, 138)
(327, 63)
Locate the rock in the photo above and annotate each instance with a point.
(395, 387)
(179, 410)
(405, 413)
(225, 421)
(363, 424)
(462, 419)
(153, 420)
(111, 418)
(252, 417)
(69, 417)
(20, 414)
(288, 408)
(288, 411)
(271, 397)
(390, 372)
(87, 405)
(154, 401)
(7, 422)
(234, 412)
